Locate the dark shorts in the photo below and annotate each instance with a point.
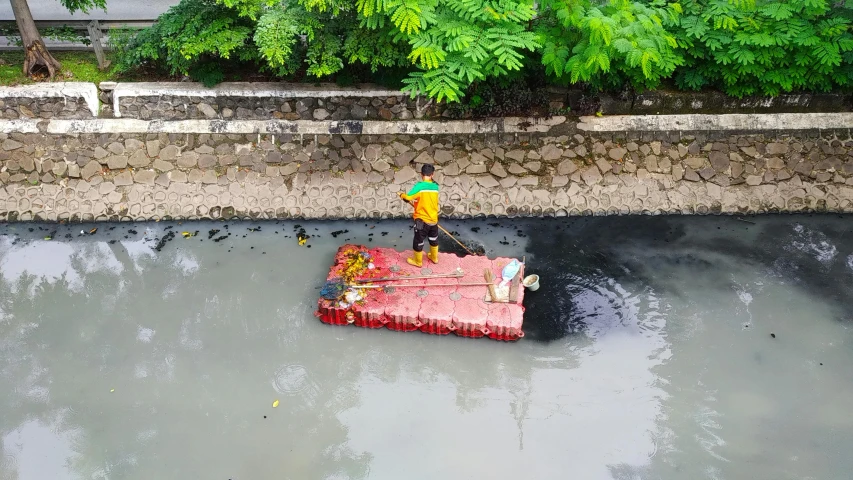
(424, 231)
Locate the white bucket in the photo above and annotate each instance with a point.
(531, 282)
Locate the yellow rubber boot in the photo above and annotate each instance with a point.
(433, 254)
(417, 259)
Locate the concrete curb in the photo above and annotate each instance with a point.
(694, 122)
(19, 126)
(305, 127)
(792, 122)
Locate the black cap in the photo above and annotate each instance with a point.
(427, 170)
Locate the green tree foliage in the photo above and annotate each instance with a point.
(456, 42)
(316, 37)
(450, 43)
(83, 5)
(747, 47)
(451, 46)
(191, 39)
(608, 44)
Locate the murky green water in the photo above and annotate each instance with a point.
(648, 355)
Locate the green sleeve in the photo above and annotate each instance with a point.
(416, 189)
(421, 186)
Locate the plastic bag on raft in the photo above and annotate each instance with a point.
(352, 296)
(509, 271)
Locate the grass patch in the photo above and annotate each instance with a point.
(76, 67)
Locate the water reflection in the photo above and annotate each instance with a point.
(647, 355)
(41, 450)
(146, 375)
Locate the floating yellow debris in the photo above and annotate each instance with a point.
(275, 404)
(187, 234)
(112, 390)
(92, 231)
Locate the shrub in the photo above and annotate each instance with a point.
(449, 44)
(191, 38)
(609, 44)
(457, 42)
(515, 95)
(747, 47)
(450, 48)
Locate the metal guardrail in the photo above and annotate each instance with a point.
(94, 28)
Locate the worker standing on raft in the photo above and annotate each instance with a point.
(424, 197)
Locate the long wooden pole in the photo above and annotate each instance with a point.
(455, 240)
(427, 285)
(413, 277)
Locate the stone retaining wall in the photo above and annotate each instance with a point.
(169, 107)
(561, 171)
(71, 100)
(264, 101)
(44, 108)
(287, 101)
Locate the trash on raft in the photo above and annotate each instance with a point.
(449, 304)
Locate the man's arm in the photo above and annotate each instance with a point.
(413, 194)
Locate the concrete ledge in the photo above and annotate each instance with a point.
(643, 123)
(246, 90)
(87, 91)
(19, 126)
(736, 122)
(656, 102)
(305, 127)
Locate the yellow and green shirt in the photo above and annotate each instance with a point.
(425, 197)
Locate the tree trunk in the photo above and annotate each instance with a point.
(36, 55)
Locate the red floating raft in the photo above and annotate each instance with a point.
(435, 305)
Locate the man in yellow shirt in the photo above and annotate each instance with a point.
(424, 197)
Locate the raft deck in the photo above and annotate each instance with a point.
(440, 310)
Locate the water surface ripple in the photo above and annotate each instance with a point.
(657, 348)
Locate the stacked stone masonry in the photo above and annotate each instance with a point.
(44, 108)
(167, 107)
(49, 100)
(195, 176)
(286, 101)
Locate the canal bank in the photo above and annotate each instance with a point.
(177, 154)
